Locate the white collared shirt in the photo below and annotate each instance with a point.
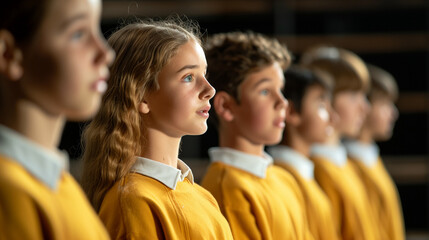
(335, 154)
(366, 153)
(285, 154)
(256, 165)
(43, 164)
(167, 175)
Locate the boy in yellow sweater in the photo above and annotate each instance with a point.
(333, 170)
(260, 200)
(307, 122)
(364, 153)
(53, 67)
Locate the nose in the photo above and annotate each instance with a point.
(105, 54)
(208, 90)
(395, 112)
(365, 105)
(282, 102)
(333, 116)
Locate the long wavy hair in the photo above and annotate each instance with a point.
(116, 134)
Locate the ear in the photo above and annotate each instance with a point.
(293, 117)
(10, 56)
(223, 103)
(144, 107)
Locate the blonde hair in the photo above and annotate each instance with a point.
(321, 55)
(382, 83)
(116, 134)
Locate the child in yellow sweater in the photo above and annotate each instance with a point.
(364, 153)
(333, 170)
(158, 93)
(260, 200)
(53, 67)
(307, 122)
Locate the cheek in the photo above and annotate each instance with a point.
(256, 117)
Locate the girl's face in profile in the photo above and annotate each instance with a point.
(180, 106)
(66, 63)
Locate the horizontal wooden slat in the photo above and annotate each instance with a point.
(413, 102)
(352, 5)
(362, 43)
(408, 169)
(120, 9)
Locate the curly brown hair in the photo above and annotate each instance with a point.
(231, 57)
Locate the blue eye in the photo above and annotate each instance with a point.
(77, 35)
(265, 92)
(188, 78)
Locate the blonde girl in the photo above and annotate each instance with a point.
(158, 93)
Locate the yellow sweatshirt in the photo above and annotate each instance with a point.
(341, 183)
(38, 198)
(156, 201)
(381, 189)
(318, 206)
(260, 201)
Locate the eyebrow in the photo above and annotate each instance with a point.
(188, 67)
(75, 18)
(264, 80)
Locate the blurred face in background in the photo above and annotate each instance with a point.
(351, 108)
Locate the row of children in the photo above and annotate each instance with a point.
(54, 66)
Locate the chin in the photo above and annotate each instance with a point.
(83, 114)
(273, 141)
(199, 131)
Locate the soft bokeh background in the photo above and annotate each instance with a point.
(392, 34)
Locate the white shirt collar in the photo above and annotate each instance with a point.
(167, 175)
(335, 154)
(366, 153)
(285, 154)
(256, 165)
(42, 163)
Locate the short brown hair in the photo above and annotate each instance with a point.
(333, 58)
(382, 83)
(233, 56)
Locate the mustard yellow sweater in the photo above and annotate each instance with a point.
(140, 207)
(318, 206)
(384, 199)
(269, 207)
(31, 210)
(345, 190)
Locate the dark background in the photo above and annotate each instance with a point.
(391, 34)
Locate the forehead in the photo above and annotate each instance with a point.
(271, 74)
(59, 11)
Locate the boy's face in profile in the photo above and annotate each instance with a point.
(260, 114)
(351, 108)
(314, 117)
(381, 118)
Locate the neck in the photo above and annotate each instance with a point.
(161, 148)
(295, 141)
(333, 139)
(31, 121)
(365, 136)
(228, 138)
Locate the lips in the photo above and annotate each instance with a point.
(280, 122)
(101, 84)
(204, 112)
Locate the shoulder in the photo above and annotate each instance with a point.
(135, 189)
(17, 183)
(221, 175)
